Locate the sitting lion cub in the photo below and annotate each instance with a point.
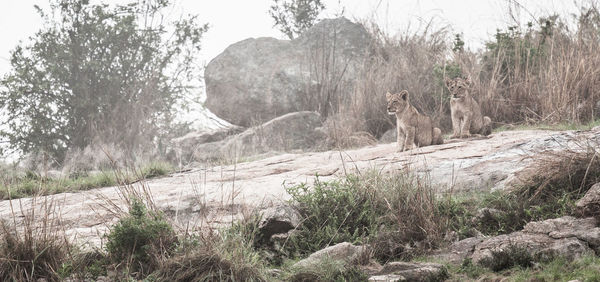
(466, 113)
(413, 127)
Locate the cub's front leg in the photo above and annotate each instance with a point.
(456, 120)
(400, 137)
(409, 142)
(466, 125)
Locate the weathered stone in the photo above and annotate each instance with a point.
(565, 236)
(589, 204)
(387, 278)
(278, 220)
(256, 80)
(460, 250)
(182, 149)
(345, 251)
(299, 130)
(413, 271)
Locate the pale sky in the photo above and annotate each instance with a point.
(234, 20)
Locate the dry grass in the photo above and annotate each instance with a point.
(555, 173)
(542, 73)
(405, 61)
(33, 248)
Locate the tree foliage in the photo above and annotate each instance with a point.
(292, 17)
(99, 72)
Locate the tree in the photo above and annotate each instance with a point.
(99, 72)
(293, 17)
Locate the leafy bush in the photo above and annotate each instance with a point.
(392, 213)
(155, 169)
(140, 239)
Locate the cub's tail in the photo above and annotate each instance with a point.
(437, 137)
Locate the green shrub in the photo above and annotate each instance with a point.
(140, 239)
(392, 213)
(334, 212)
(327, 270)
(155, 169)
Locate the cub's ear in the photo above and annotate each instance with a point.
(469, 81)
(447, 81)
(388, 95)
(404, 95)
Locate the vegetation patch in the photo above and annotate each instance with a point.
(141, 239)
(14, 186)
(28, 252)
(229, 255)
(397, 215)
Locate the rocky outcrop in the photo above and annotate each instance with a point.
(589, 204)
(256, 80)
(299, 130)
(202, 192)
(566, 236)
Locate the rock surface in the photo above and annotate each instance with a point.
(565, 236)
(256, 80)
(298, 130)
(343, 252)
(182, 149)
(215, 195)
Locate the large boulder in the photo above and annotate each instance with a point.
(258, 79)
(293, 131)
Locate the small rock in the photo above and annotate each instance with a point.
(485, 215)
(414, 271)
(589, 204)
(343, 252)
(460, 250)
(387, 278)
(278, 220)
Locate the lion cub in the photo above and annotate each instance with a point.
(413, 127)
(466, 113)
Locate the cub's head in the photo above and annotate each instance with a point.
(396, 102)
(459, 87)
